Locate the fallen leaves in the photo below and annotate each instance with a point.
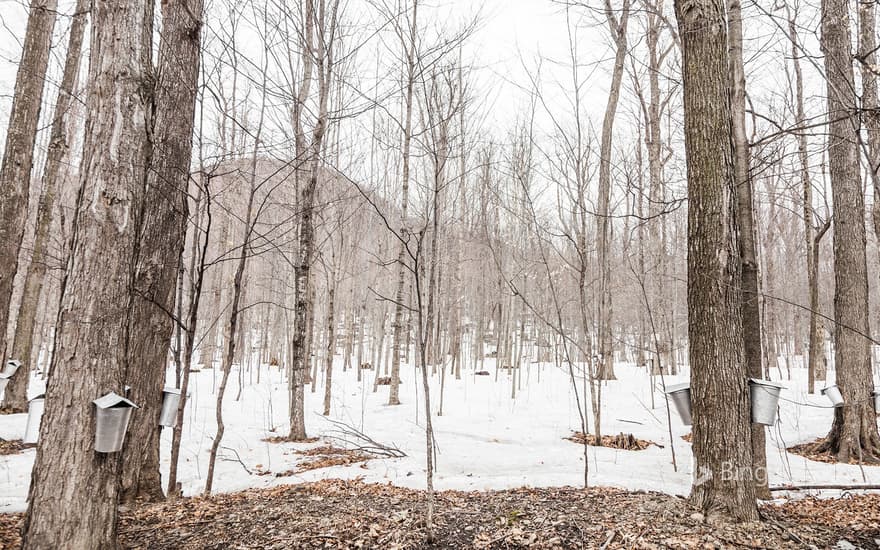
(337, 514)
(13, 446)
(809, 451)
(626, 442)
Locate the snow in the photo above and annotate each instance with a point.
(484, 440)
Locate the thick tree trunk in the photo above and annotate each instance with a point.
(618, 29)
(15, 399)
(165, 216)
(21, 134)
(723, 483)
(93, 333)
(854, 432)
(745, 209)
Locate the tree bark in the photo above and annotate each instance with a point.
(745, 209)
(92, 337)
(15, 399)
(854, 431)
(18, 155)
(400, 297)
(603, 221)
(723, 483)
(815, 367)
(165, 216)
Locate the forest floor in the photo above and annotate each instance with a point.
(353, 514)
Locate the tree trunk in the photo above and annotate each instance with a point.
(317, 57)
(331, 342)
(166, 213)
(745, 209)
(854, 432)
(15, 398)
(814, 367)
(18, 156)
(618, 29)
(723, 483)
(93, 336)
(399, 327)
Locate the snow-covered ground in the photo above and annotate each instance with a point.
(484, 440)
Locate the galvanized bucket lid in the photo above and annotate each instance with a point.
(113, 400)
(825, 389)
(678, 387)
(41, 397)
(175, 391)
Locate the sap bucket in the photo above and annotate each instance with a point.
(833, 395)
(681, 397)
(170, 401)
(35, 415)
(876, 395)
(8, 371)
(765, 399)
(112, 413)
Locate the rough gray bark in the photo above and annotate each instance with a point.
(723, 483)
(161, 243)
(15, 398)
(854, 431)
(92, 336)
(618, 27)
(745, 210)
(18, 155)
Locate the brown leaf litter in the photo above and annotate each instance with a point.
(13, 446)
(351, 514)
(809, 451)
(626, 442)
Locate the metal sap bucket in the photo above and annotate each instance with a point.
(9, 369)
(681, 398)
(765, 399)
(111, 422)
(833, 395)
(170, 402)
(8, 372)
(876, 395)
(35, 415)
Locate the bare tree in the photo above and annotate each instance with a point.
(165, 216)
(409, 44)
(318, 40)
(721, 431)
(15, 398)
(854, 431)
(93, 335)
(618, 27)
(18, 156)
(745, 212)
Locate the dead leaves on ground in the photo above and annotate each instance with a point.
(337, 514)
(626, 442)
(13, 446)
(811, 451)
(325, 456)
